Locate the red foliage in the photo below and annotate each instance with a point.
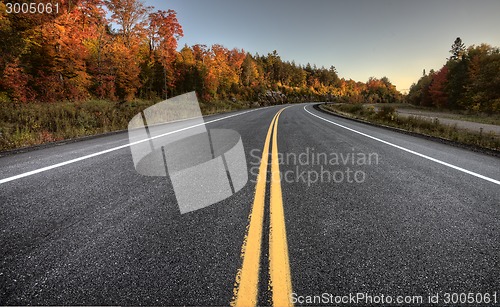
(437, 89)
(15, 80)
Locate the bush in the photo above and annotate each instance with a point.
(386, 112)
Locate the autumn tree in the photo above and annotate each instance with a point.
(298, 76)
(119, 50)
(163, 34)
(99, 43)
(381, 90)
(419, 92)
(189, 71)
(482, 92)
(126, 43)
(15, 81)
(437, 88)
(131, 17)
(250, 74)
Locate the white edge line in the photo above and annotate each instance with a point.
(43, 169)
(409, 150)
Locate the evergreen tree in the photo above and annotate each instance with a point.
(457, 49)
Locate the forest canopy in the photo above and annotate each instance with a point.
(121, 50)
(469, 80)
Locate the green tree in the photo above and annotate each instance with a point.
(482, 92)
(419, 92)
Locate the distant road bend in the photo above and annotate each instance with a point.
(332, 206)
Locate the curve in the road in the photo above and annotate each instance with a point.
(408, 150)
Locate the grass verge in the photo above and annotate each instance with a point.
(31, 124)
(386, 115)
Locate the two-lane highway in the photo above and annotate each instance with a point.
(356, 209)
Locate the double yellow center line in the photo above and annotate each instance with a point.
(247, 278)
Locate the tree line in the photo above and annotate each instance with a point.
(78, 55)
(469, 80)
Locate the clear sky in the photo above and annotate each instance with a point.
(397, 39)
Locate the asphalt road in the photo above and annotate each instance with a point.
(386, 214)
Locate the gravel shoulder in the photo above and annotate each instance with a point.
(474, 126)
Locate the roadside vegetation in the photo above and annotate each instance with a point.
(33, 124)
(467, 87)
(464, 115)
(91, 68)
(386, 115)
(469, 81)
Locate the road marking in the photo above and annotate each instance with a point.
(50, 167)
(409, 150)
(247, 278)
(279, 266)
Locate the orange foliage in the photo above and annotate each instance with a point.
(121, 49)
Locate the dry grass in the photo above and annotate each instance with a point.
(36, 123)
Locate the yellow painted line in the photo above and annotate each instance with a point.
(280, 278)
(247, 279)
